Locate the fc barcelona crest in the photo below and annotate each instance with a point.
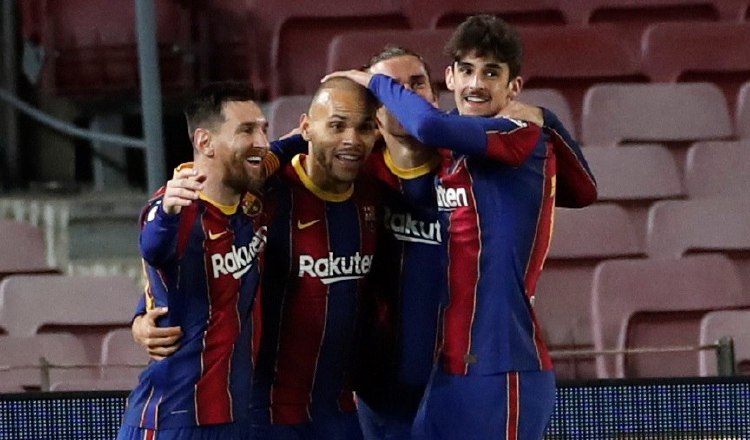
(371, 221)
(251, 205)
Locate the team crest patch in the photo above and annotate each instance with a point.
(251, 205)
(369, 215)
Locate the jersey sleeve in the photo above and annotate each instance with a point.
(576, 186)
(282, 151)
(503, 139)
(158, 240)
(140, 308)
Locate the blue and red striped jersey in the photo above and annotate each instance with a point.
(400, 318)
(321, 248)
(202, 265)
(496, 195)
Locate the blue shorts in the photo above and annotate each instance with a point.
(382, 425)
(229, 431)
(339, 426)
(508, 406)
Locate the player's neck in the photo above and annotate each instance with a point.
(407, 152)
(323, 180)
(216, 191)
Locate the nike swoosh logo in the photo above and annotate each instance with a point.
(301, 225)
(212, 236)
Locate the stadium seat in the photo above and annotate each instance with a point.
(298, 34)
(448, 14)
(687, 52)
(228, 42)
(742, 114)
(581, 238)
(657, 303)
(571, 59)
(352, 50)
(30, 302)
(614, 113)
(122, 358)
(91, 46)
(284, 114)
(22, 250)
(599, 231)
(717, 169)
(699, 225)
(724, 323)
(594, 11)
(93, 385)
(639, 172)
(20, 366)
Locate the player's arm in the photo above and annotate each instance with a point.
(506, 140)
(160, 219)
(576, 186)
(282, 151)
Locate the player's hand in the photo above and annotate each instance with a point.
(160, 342)
(358, 76)
(182, 189)
(525, 112)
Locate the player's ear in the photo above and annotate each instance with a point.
(515, 86)
(202, 142)
(304, 126)
(449, 78)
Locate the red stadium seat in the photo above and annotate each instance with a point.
(643, 172)
(284, 114)
(298, 34)
(92, 45)
(593, 11)
(20, 367)
(448, 14)
(687, 52)
(354, 49)
(121, 357)
(23, 250)
(563, 295)
(571, 59)
(716, 168)
(699, 225)
(615, 113)
(30, 302)
(742, 115)
(657, 303)
(725, 323)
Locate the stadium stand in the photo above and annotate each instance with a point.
(298, 34)
(448, 14)
(742, 114)
(614, 113)
(23, 249)
(687, 52)
(20, 366)
(595, 11)
(725, 323)
(121, 357)
(658, 303)
(284, 113)
(699, 225)
(91, 45)
(716, 168)
(563, 295)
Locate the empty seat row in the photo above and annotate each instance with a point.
(68, 363)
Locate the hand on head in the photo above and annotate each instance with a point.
(358, 76)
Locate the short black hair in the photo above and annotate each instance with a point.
(487, 36)
(205, 109)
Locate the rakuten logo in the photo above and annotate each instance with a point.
(333, 269)
(449, 199)
(239, 260)
(406, 228)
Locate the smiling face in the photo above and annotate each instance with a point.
(341, 131)
(239, 145)
(481, 86)
(409, 71)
